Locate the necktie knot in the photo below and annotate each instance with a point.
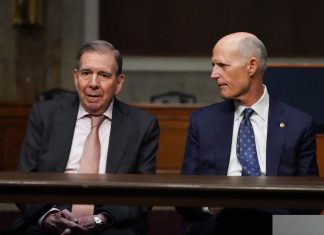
(96, 121)
(247, 113)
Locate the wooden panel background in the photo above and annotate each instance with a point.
(13, 124)
(173, 120)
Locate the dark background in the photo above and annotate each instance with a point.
(288, 28)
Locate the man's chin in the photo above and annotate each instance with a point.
(225, 96)
(92, 107)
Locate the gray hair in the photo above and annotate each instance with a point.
(252, 46)
(101, 46)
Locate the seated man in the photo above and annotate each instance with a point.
(249, 134)
(122, 139)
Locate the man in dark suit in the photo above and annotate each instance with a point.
(284, 137)
(57, 130)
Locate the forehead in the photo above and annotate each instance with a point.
(225, 51)
(97, 60)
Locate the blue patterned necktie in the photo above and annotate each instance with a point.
(246, 150)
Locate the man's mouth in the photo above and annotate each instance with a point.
(93, 95)
(221, 84)
(93, 98)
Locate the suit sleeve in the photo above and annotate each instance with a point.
(29, 161)
(190, 160)
(307, 164)
(149, 148)
(29, 154)
(190, 167)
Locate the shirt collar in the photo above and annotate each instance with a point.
(107, 113)
(261, 107)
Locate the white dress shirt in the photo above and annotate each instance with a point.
(259, 120)
(81, 131)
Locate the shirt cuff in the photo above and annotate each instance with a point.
(40, 221)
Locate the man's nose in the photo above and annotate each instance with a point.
(214, 73)
(94, 81)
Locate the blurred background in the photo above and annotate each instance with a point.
(166, 43)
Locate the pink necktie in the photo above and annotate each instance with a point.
(89, 162)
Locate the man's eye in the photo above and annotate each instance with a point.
(105, 75)
(221, 65)
(85, 73)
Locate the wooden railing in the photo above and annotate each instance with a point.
(163, 190)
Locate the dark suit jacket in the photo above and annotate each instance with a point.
(132, 149)
(291, 150)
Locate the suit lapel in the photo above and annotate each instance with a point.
(64, 129)
(224, 124)
(120, 129)
(277, 126)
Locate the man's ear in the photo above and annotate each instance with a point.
(120, 82)
(75, 78)
(252, 66)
